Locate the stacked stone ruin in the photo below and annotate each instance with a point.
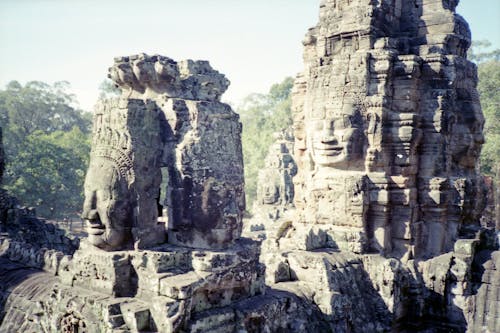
(173, 150)
(388, 131)
(378, 231)
(388, 127)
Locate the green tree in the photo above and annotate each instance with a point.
(261, 116)
(46, 143)
(489, 91)
(39, 106)
(481, 51)
(107, 89)
(49, 170)
(488, 62)
(2, 157)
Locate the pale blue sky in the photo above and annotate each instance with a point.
(254, 42)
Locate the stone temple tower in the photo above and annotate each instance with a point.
(166, 159)
(383, 234)
(388, 128)
(388, 197)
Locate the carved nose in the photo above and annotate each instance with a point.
(479, 138)
(89, 206)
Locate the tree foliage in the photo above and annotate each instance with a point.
(46, 143)
(108, 90)
(489, 90)
(488, 62)
(481, 51)
(261, 116)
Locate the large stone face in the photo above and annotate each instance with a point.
(123, 179)
(388, 131)
(166, 158)
(388, 127)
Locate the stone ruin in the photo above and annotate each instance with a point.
(169, 154)
(388, 128)
(275, 185)
(163, 205)
(379, 230)
(388, 195)
(275, 189)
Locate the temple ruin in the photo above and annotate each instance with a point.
(388, 128)
(275, 191)
(388, 131)
(172, 154)
(369, 212)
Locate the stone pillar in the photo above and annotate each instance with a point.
(275, 189)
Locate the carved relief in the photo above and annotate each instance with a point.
(72, 323)
(165, 155)
(400, 121)
(275, 188)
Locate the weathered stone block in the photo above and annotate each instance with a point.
(94, 269)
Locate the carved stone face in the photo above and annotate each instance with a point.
(107, 208)
(336, 141)
(467, 138)
(269, 193)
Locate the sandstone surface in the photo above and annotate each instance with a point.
(169, 154)
(388, 131)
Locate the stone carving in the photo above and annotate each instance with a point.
(166, 158)
(167, 153)
(388, 131)
(72, 323)
(388, 128)
(142, 76)
(386, 233)
(275, 190)
(120, 207)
